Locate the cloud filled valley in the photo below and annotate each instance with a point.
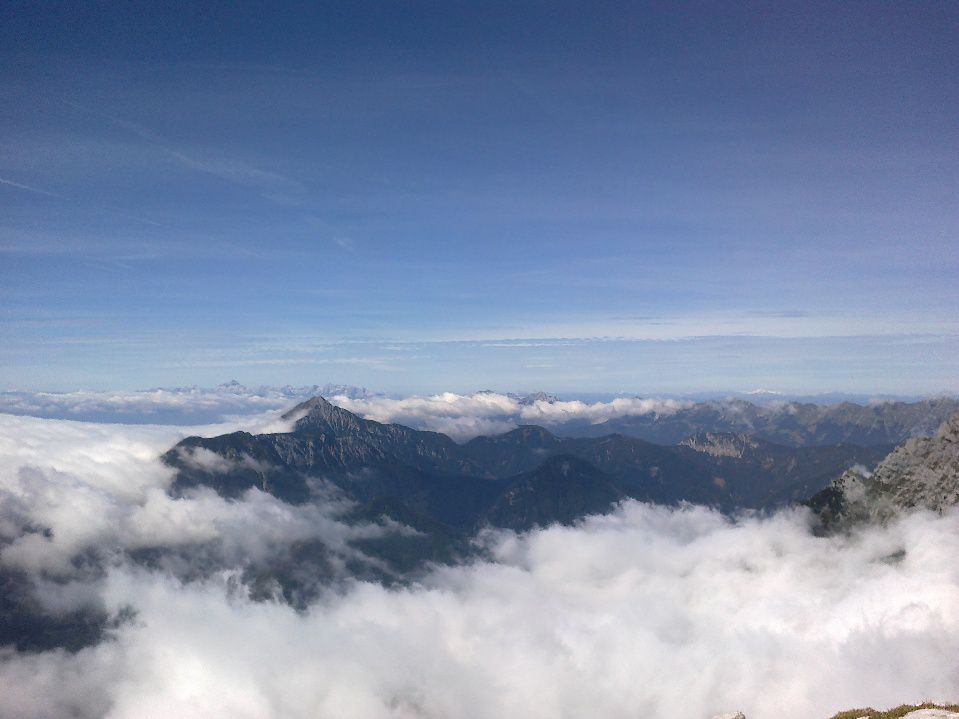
(462, 416)
(459, 415)
(509, 360)
(646, 611)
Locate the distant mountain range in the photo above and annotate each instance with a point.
(663, 421)
(427, 495)
(443, 492)
(793, 424)
(723, 469)
(523, 478)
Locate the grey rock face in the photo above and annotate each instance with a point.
(720, 444)
(920, 473)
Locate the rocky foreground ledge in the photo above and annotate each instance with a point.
(906, 711)
(925, 710)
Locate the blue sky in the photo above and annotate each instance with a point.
(643, 197)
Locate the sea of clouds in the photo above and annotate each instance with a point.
(176, 405)
(647, 612)
(461, 416)
(484, 413)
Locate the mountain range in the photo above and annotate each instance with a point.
(531, 477)
(446, 491)
(459, 483)
(794, 424)
(442, 492)
(429, 496)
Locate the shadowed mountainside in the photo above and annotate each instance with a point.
(459, 484)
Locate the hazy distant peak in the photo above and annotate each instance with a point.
(535, 397)
(525, 400)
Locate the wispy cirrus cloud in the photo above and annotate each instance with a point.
(27, 188)
(273, 186)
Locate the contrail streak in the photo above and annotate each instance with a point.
(20, 186)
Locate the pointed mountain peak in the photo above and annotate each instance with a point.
(317, 414)
(312, 405)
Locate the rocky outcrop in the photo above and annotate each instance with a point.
(720, 444)
(918, 474)
(925, 710)
(915, 711)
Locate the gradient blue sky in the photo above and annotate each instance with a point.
(637, 197)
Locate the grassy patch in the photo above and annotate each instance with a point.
(896, 713)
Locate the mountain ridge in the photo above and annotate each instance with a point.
(920, 473)
(793, 424)
(332, 443)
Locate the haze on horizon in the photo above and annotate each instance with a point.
(602, 197)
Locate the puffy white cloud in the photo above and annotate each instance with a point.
(71, 487)
(157, 405)
(209, 461)
(461, 416)
(177, 405)
(597, 412)
(647, 612)
(466, 416)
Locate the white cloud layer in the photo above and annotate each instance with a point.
(647, 612)
(102, 488)
(461, 416)
(466, 416)
(178, 405)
